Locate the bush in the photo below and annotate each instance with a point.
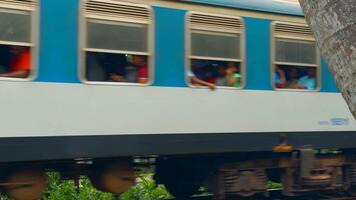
(65, 190)
(146, 189)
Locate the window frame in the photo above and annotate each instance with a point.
(33, 45)
(273, 61)
(188, 49)
(83, 49)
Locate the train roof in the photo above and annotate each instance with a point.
(289, 7)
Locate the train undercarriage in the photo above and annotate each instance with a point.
(225, 176)
(248, 175)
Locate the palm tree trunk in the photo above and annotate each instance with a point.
(334, 25)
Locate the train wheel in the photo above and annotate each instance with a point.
(182, 190)
(114, 178)
(26, 184)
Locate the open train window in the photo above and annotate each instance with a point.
(215, 50)
(295, 57)
(17, 45)
(116, 42)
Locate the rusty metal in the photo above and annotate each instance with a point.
(353, 175)
(234, 183)
(115, 178)
(25, 184)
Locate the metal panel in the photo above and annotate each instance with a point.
(18, 3)
(256, 5)
(204, 21)
(58, 148)
(292, 30)
(116, 10)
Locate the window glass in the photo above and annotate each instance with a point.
(15, 26)
(295, 64)
(215, 44)
(116, 46)
(215, 51)
(117, 36)
(295, 51)
(15, 43)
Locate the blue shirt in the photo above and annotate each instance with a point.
(308, 82)
(277, 78)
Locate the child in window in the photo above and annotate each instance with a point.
(233, 76)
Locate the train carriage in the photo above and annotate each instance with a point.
(110, 80)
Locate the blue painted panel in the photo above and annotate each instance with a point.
(169, 49)
(59, 41)
(258, 54)
(327, 81)
(258, 5)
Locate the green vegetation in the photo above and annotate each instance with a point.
(4, 198)
(65, 190)
(145, 189)
(274, 185)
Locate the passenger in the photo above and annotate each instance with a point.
(233, 76)
(205, 70)
(136, 71)
(198, 82)
(293, 78)
(105, 67)
(115, 66)
(280, 78)
(20, 63)
(309, 81)
(221, 80)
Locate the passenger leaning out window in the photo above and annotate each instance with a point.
(16, 62)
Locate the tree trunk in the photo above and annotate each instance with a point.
(334, 25)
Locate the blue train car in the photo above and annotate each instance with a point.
(219, 81)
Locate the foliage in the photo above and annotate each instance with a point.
(274, 185)
(3, 197)
(65, 190)
(146, 189)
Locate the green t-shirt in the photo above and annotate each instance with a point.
(238, 82)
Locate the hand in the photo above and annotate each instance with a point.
(211, 86)
(116, 78)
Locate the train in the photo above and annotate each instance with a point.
(226, 94)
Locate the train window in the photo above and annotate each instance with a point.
(215, 50)
(16, 39)
(295, 57)
(116, 44)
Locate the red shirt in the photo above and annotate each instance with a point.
(143, 71)
(21, 62)
(212, 80)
